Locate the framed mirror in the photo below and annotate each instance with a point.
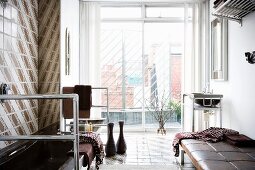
(219, 49)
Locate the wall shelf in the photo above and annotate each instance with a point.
(235, 9)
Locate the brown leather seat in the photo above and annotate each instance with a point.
(224, 147)
(199, 147)
(236, 156)
(248, 165)
(221, 155)
(207, 155)
(215, 165)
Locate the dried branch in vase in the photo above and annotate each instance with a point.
(161, 110)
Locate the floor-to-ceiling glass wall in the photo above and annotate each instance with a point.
(163, 46)
(141, 52)
(121, 69)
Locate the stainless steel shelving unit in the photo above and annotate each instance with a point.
(74, 137)
(107, 101)
(87, 120)
(192, 97)
(235, 9)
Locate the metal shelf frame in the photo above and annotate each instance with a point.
(107, 100)
(87, 120)
(235, 9)
(74, 137)
(198, 107)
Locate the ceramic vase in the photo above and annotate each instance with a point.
(110, 148)
(121, 143)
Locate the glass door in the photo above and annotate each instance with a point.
(141, 53)
(163, 49)
(121, 70)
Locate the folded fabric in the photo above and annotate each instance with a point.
(94, 139)
(214, 134)
(85, 99)
(85, 149)
(240, 140)
(90, 138)
(177, 140)
(68, 103)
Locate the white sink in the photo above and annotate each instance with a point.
(206, 99)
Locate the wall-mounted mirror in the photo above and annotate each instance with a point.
(219, 49)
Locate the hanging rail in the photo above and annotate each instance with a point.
(74, 137)
(235, 9)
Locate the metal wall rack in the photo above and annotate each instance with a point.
(195, 107)
(87, 120)
(235, 9)
(107, 101)
(73, 137)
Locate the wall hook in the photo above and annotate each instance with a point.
(250, 57)
(4, 89)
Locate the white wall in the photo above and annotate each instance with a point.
(69, 18)
(238, 92)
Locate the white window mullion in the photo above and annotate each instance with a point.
(143, 69)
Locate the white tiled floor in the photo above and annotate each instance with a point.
(145, 148)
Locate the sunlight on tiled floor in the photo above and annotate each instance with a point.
(145, 148)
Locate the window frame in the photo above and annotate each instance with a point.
(144, 20)
(143, 12)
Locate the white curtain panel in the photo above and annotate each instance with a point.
(196, 55)
(89, 43)
(90, 51)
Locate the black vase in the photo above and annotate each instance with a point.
(110, 148)
(121, 143)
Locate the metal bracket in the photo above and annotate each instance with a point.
(3, 3)
(4, 89)
(239, 21)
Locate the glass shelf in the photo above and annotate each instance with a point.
(197, 107)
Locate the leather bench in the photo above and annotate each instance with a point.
(220, 155)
